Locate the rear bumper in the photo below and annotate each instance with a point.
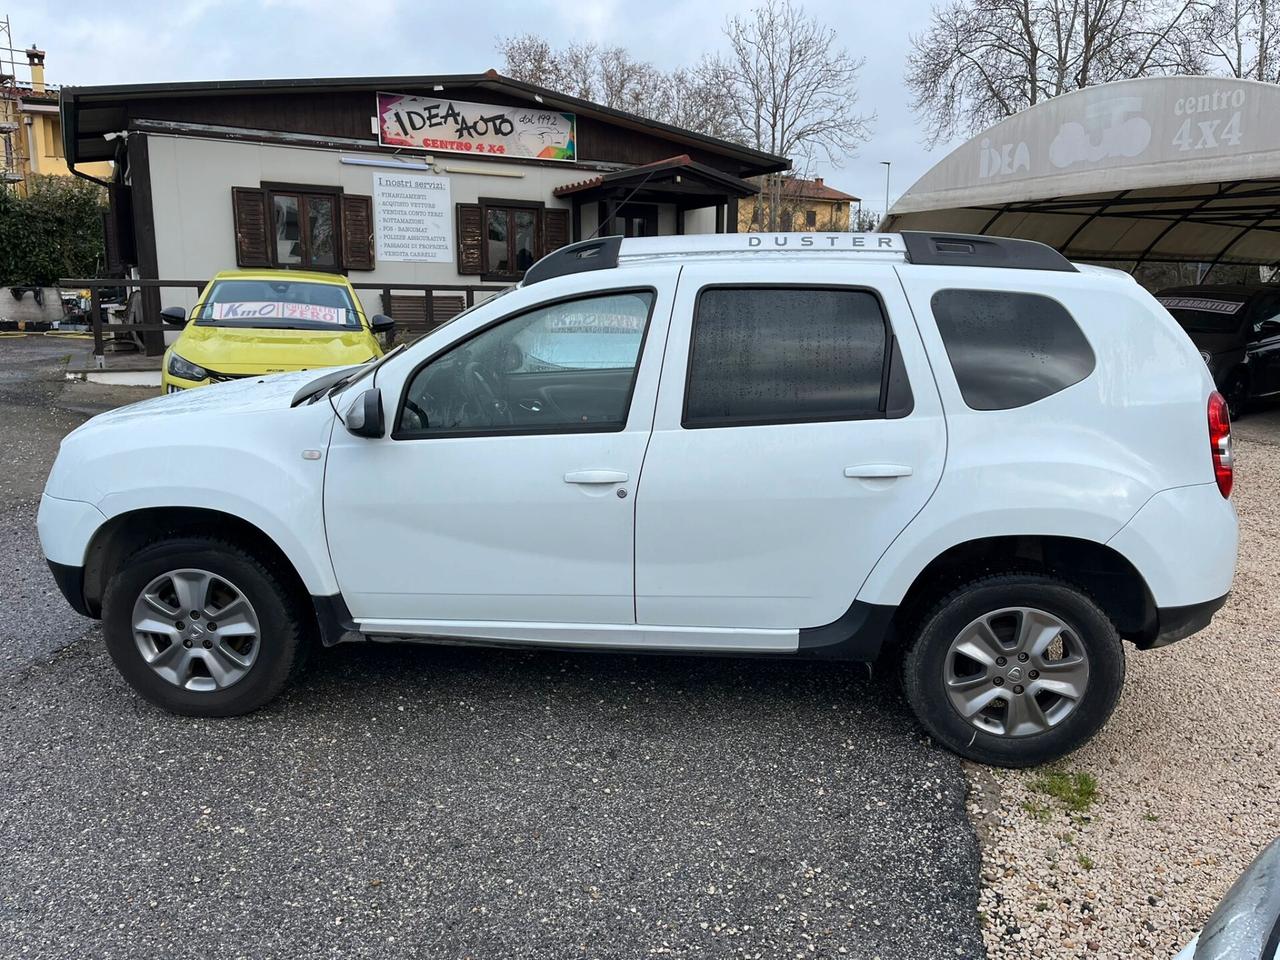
(1183, 543)
(1178, 623)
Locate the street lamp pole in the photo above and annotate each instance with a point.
(888, 165)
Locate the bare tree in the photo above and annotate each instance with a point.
(695, 98)
(784, 85)
(700, 98)
(982, 60)
(864, 221)
(530, 58)
(795, 89)
(1243, 38)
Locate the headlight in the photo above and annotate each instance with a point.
(1207, 357)
(185, 369)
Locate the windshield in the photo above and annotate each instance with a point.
(278, 304)
(1205, 314)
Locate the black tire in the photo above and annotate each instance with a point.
(924, 666)
(1236, 393)
(284, 621)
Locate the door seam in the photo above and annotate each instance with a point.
(653, 419)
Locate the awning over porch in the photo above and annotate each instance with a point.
(680, 181)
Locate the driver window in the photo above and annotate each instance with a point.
(1268, 323)
(566, 366)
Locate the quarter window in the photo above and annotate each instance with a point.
(1010, 349)
(568, 366)
(785, 354)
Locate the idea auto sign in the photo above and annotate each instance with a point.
(479, 129)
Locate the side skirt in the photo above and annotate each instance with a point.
(858, 635)
(600, 636)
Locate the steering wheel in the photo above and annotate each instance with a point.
(491, 409)
(414, 410)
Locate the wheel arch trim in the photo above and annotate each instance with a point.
(127, 530)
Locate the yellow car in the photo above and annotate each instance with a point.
(250, 322)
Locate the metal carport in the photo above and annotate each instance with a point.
(1155, 169)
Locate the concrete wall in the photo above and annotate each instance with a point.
(191, 181)
(26, 310)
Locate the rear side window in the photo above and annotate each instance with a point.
(785, 355)
(1010, 349)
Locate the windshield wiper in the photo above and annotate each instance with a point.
(320, 386)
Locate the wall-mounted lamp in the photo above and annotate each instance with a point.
(387, 163)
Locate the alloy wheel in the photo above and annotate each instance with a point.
(1016, 672)
(196, 629)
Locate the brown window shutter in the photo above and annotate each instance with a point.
(555, 228)
(249, 209)
(357, 232)
(111, 244)
(470, 238)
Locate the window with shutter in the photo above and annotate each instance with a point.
(249, 209)
(312, 227)
(470, 238)
(357, 232)
(555, 229)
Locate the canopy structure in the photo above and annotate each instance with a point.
(1156, 169)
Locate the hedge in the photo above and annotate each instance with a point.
(55, 231)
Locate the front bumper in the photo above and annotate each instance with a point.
(66, 528)
(70, 581)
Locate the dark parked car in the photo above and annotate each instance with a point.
(1237, 329)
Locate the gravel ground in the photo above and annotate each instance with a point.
(444, 802)
(1187, 773)
(439, 802)
(37, 408)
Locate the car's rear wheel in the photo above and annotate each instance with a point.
(1236, 393)
(1014, 670)
(202, 627)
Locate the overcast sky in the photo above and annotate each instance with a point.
(122, 42)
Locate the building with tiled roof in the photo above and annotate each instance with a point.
(801, 205)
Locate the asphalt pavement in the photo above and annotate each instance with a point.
(449, 802)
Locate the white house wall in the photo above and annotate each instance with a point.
(191, 181)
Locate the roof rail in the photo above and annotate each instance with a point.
(950, 249)
(598, 254)
(969, 250)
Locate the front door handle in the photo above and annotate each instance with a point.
(877, 471)
(595, 476)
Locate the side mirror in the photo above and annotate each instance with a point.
(1268, 329)
(381, 323)
(174, 316)
(364, 416)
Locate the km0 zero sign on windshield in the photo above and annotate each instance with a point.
(277, 310)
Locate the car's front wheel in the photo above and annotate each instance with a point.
(1014, 670)
(202, 627)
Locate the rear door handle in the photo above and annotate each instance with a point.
(873, 471)
(595, 476)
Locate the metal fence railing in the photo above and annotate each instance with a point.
(415, 306)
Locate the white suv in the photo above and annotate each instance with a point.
(963, 452)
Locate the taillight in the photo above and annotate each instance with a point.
(1220, 441)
